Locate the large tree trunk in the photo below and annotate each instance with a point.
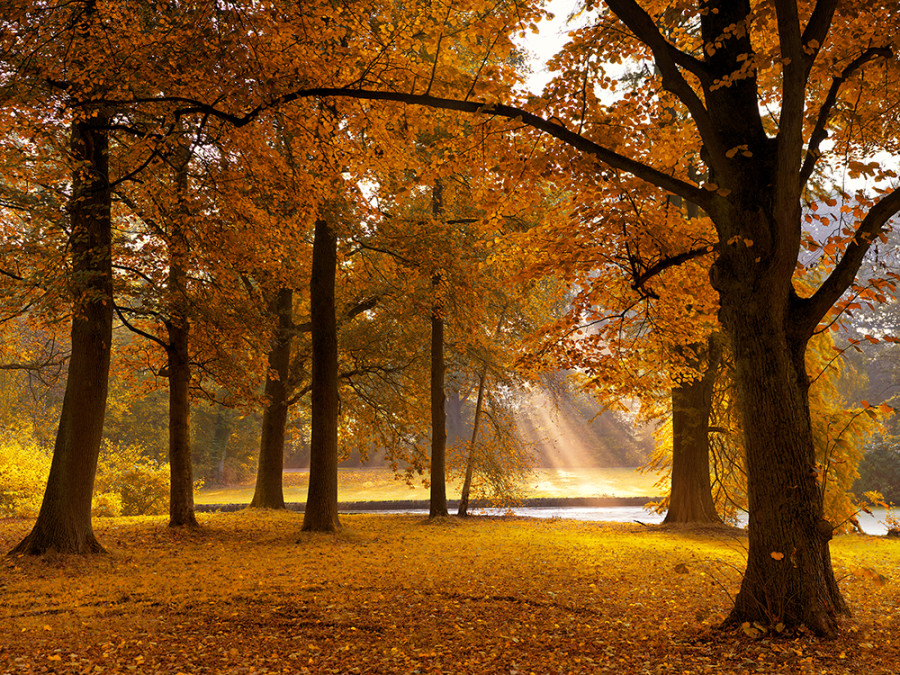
(64, 521)
(269, 492)
(463, 509)
(690, 498)
(321, 513)
(789, 578)
(181, 470)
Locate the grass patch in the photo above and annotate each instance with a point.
(248, 592)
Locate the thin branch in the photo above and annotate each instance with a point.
(820, 132)
(810, 311)
(138, 331)
(664, 264)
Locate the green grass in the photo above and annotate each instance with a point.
(380, 485)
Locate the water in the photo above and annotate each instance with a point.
(871, 524)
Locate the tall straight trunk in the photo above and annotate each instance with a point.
(181, 471)
(438, 475)
(438, 497)
(463, 509)
(321, 513)
(64, 521)
(690, 498)
(269, 492)
(181, 474)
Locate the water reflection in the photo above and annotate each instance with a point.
(870, 524)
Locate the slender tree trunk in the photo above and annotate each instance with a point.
(463, 509)
(64, 521)
(269, 492)
(690, 499)
(181, 470)
(438, 476)
(181, 474)
(321, 513)
(789, 578)
(438, 501)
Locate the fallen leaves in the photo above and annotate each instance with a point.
(243, 595)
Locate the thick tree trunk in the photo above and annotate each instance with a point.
(269, 492)
(321, 513)
(64, 521)
(690, 498)
(463, 509)
(438, 500)
(789, 578)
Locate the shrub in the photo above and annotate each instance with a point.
(23, 476)
(106, 505)
(139, 484)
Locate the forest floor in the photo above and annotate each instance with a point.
(249, 593)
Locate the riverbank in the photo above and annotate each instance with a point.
(371, 484)
(453, 504)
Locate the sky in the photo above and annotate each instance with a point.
(550, 39)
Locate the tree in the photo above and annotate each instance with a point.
(61, 65)
(269, 492)
(758, 170)
(321, 514)
(690, 498)
(64, 521)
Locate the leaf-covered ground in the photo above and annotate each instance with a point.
(248, 593)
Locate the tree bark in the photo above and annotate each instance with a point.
(463, 509)
(438, 476)
(64, 521)
(269, 493)
(690, 498)
(181, 473)
(321, 513)
(789, 577)
(181, 470)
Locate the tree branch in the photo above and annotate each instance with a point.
(810, 311)
(138, 331)
(705, 199)
(817, 28)
(662, 265)
(669, 59)
(820, 132)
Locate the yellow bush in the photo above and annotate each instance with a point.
(106, 505)
(23, 476)
(141, 484)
